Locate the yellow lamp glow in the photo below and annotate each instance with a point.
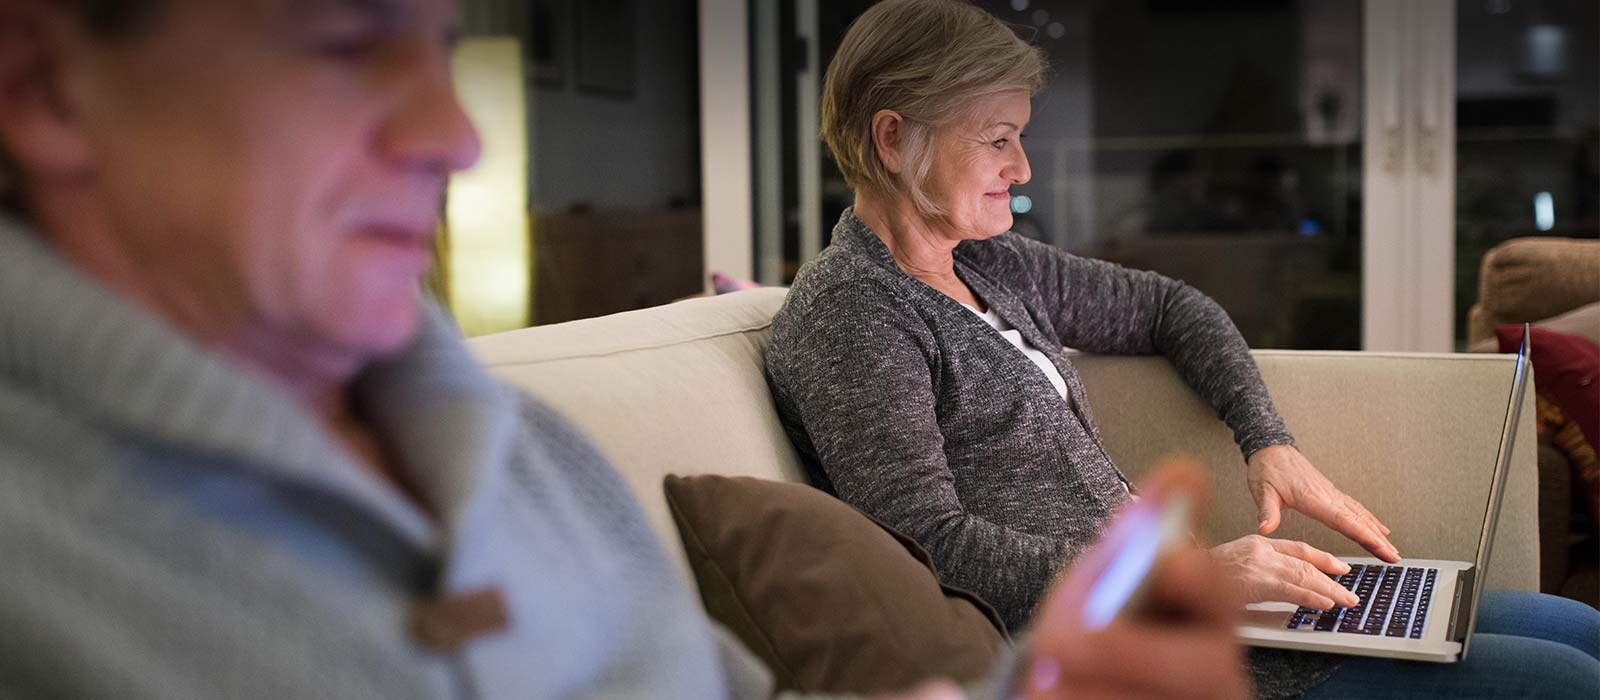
(490, 260)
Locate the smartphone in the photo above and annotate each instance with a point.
(1138, 538)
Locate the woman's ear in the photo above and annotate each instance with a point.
(38, 126)
(888, 138)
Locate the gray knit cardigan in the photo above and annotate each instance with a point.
(913, 409)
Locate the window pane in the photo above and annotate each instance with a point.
(1527, 130)
(1216, 142)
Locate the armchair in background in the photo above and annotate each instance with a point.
(1554, 283)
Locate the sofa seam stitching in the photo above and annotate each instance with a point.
(640, 348)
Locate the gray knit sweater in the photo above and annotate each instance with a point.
(913, 409)
(173, 527)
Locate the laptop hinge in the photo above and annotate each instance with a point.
(1461, 605)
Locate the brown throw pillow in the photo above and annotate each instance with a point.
(829, 599)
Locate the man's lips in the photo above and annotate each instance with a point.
(399, 235)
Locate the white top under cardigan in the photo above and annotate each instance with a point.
(1050, 372)
(1015, 337)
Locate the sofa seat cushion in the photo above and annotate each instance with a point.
(832, 601)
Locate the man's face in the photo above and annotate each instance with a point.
(279, 164)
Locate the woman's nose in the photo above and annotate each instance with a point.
(1017, 171)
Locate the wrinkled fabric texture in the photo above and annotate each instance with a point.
(913, 409)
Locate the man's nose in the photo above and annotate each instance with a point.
(429, 125)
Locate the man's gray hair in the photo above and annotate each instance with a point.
(927, 60)
(113, 19)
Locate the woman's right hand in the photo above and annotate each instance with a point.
(1269, 570)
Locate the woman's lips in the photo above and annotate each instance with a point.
(1003, 194)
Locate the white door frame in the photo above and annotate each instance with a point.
(771, 81)
(766, 58)
(1408, 218)
(808, 122)
(725, 138)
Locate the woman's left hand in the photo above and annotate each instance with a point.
(1280, 477)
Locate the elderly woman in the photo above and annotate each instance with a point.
(918, 363)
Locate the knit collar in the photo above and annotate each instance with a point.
(67, 340)
(982, 272)
(853, 235)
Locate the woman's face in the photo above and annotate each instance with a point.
(975, 163)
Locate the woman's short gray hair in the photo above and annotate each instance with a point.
(927, 60)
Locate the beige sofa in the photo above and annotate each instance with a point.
(679, 389)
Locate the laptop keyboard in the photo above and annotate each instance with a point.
(1394, 603)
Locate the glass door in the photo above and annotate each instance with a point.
(1217, 142)
(1330, 171)
(1527, 129)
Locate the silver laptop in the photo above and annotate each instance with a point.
(1419, 609)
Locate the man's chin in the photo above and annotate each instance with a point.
(380, 333)
(395, 338)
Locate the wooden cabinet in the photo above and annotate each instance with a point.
(597, 262)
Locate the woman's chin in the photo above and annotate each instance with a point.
(978, 226)
(999, 225)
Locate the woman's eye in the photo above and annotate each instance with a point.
(1000, 143)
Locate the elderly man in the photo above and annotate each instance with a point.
(239, 457)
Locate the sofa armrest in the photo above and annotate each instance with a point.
(1555, 518)
(1412, 436)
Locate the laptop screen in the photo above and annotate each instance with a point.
(1508, 438)
(1502, 465)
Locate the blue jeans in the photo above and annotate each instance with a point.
(1527, 645)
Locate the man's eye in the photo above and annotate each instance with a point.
(347, 47)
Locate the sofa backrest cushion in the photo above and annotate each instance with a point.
(1527, 279)
(674, 389)
(1412, 436)
(678, 389)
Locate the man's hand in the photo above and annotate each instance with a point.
(1178, 644)
(1282, 570)
(1280, 477)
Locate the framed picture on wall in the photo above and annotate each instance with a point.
(550, 42)
(607, 47)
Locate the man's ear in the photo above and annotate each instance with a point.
(888, 138)
(39, 128)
